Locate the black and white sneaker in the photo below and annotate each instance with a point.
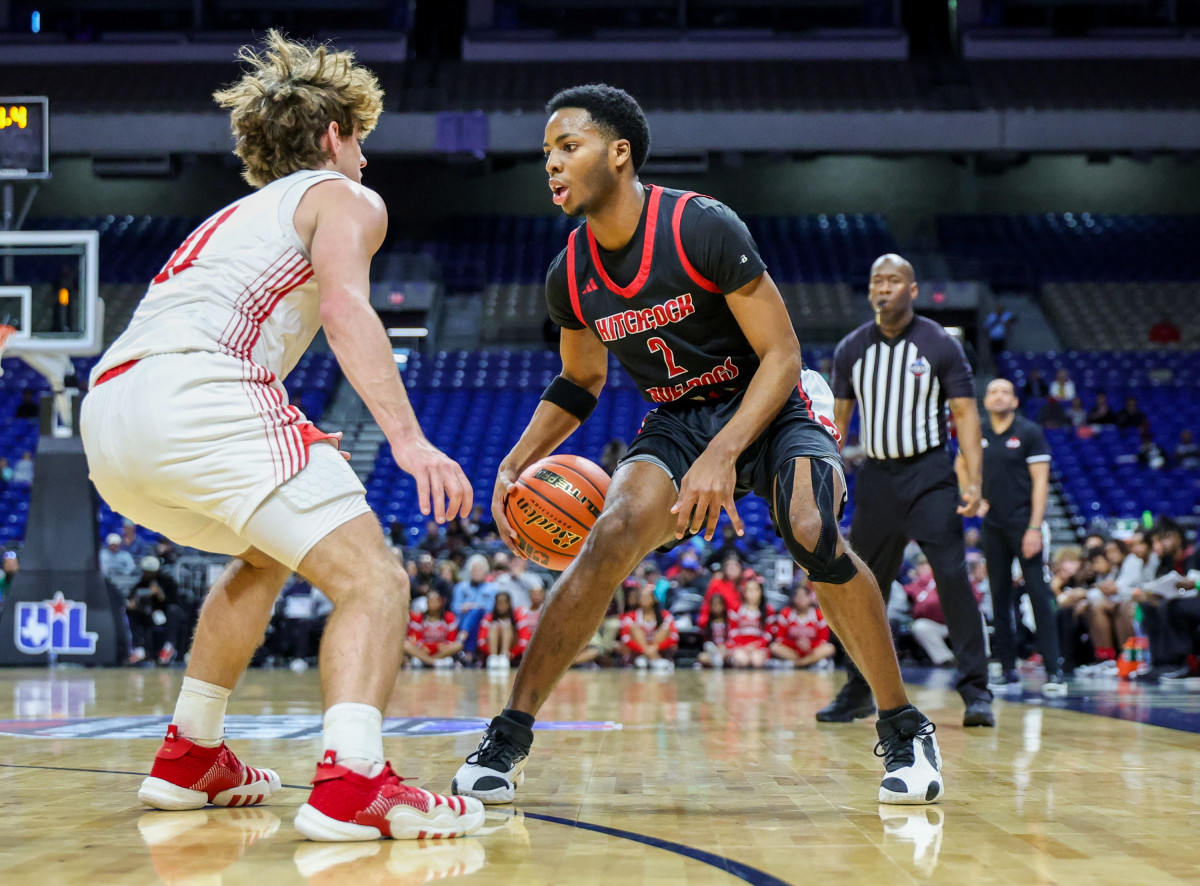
(911, 758)
(492, 773)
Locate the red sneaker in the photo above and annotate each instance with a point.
(189, 776)
(346, 806)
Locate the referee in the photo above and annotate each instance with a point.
(903, 370)
(1016, 482)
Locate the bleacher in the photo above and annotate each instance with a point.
(1022, 251)
(1119, 316)
(1100, 473)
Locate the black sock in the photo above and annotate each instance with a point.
(891, 712)
(519, 717)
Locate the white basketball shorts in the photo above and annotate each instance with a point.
(194, 447)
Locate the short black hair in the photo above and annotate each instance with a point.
(615, 112)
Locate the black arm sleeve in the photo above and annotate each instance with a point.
(953, 370)
(719, 245)
(558, 294)
(843, 386)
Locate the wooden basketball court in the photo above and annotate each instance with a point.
(682, 778)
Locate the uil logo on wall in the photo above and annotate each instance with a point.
(56, 625)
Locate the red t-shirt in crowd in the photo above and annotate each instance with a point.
(802, 632)
(432, 633)
(724, 587)
(649, 627)
(746, 627)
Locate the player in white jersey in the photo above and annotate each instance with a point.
(188, 431)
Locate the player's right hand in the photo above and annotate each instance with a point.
(505, 480)
(442, 487)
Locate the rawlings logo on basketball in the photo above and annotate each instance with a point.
(562, 538)
(561, 482)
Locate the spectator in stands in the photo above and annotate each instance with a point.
(1149, 453)
(131, 542)
(929, 622)
(449, 571)
(156, 620)
(1165, 332)
(724, 583)
(648, 633)
(599, 650)
(612, 454)
(6, 472)
(652, 575)
(1035, 386)
(997, 324)
(1101, 413)
(1062, 388)
(1130, 415)
(473, 598)
(1074, 583)
(481, 525)
(731, 546)
(28, 407)
(434, 539)
(715, 635)
(749, 627)
(426, 578)
(527, 623)
(397, 533)
(115, 562)
(800, 637)
(166, 551)
(433, 635)
(22, 474)
(1052, 414)
(689, 575)
(1187, 454)
(499, 633)
(512, 575)
(1077, 413)
(303, 610)
(8, 571)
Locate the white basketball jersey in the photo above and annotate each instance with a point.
(241, 284)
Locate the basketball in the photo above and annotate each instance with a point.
(553, 506)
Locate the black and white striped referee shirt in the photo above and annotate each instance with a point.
(901, 385)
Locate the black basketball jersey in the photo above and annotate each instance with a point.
(671, 327)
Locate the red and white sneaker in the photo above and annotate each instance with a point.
(189, 776)
(346, 806)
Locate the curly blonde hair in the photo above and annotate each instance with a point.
(283, 104)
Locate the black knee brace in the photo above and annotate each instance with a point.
(823, 565)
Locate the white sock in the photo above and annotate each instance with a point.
(355, 732)
(200, 712)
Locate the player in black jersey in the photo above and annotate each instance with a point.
(672, 284)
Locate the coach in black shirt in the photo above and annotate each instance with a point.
(1016, 481)
(904, 370)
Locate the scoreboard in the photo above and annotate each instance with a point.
(24, 137)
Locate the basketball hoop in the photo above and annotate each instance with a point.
(6, 333)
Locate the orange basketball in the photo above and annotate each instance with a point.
(553, 506)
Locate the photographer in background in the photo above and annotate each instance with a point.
(155, 618)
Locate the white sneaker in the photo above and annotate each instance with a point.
(415, 664)
(503, 663)
(641, 663)
(912, 760)
(495, 770)
(491, 661)
(662, 664)
(443, 664)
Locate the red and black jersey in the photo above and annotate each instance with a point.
(665, 318)
(802, 632)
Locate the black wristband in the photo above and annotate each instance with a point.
(564, 393)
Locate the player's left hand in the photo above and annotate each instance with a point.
(970, 501)
(1031, 543)
(706, 489)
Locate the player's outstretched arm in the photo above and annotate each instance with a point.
(348, 223)
(709, 485)
(585, 364)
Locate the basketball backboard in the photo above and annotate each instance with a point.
(49, 291)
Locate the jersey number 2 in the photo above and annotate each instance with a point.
(657, 345)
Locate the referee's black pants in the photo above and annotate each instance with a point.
(1002, 543)
(899, 499)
